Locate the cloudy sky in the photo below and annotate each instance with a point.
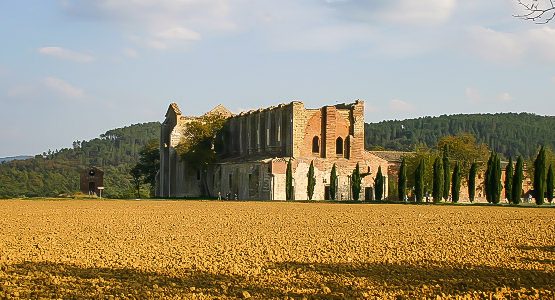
(72, 69)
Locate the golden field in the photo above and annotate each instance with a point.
(268, 250)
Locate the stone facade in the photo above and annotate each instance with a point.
(259, 143)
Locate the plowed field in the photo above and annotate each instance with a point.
(264, 250)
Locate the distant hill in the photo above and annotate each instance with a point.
(54, 173)
(19, 157)
(511, 134)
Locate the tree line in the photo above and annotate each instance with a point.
(509, 134)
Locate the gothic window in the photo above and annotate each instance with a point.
(315, 145)
(339, 146)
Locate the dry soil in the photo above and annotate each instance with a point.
(263, 250)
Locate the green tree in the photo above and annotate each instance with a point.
(137, 179)
(437, 189)
(289, 181)
(419, 181)
(517, 181)
(379, 184)
(495, 179)
(311, 181)
(333, 183)
(549, 184)
(509, 180)
(539, 177)
(463, 148)
(472, 181)
(446, 172)
(456, 186)
(197, 148)
(402, 180)
(356, 182)
(487, 178)
(148, 165)
(426, 154)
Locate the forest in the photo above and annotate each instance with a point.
(56, 173)
(509, 134)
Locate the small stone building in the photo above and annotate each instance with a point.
(259, 143)
(91, 179)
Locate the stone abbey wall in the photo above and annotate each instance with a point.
(257, 144)
(261, 133)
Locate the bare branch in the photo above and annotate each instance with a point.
(537, 11)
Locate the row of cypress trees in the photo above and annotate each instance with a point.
(445, 182)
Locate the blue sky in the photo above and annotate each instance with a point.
(72, 69)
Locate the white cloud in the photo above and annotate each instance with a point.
(504, 97)
(179, 33)
(66, 54)
(473, 95)
(152, 23)
(131, 53)
(62, 88)
(541, 42)
(537, 44)
(419, 12)
(324, 38)
(493, 45)
(398, 105)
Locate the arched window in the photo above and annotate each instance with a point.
(315, 145)
(339, 146)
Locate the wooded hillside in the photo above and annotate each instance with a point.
(55, 173)
(508, 133)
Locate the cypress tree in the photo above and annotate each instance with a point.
(356, 181)
(419, 181)
(311, 181)
(402, 180)
(549, 184)
(539, 177)
(509, 180)
(487, 178)
(289, 181)
(496, 177)
(472, 181)
(437, 189)
(446, 173)
(517, 181)
(333, 182)
(378, 184)
(456, 186)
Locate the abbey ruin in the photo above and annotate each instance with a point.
(259, 143)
